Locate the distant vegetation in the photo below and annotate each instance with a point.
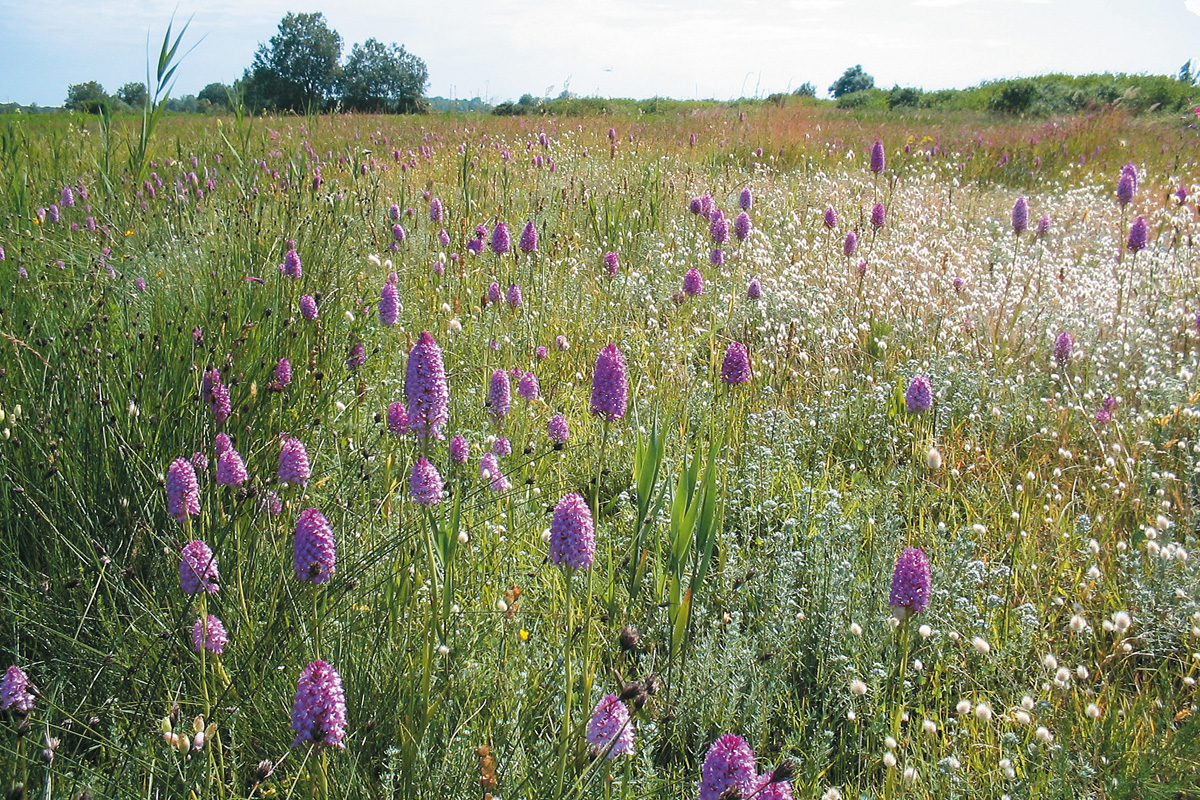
(300, 70)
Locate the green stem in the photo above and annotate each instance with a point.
(898, 699)
(565, 745)
(599, 473)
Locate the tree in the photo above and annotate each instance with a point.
(216, 95)
(133, 94)
(298, 68)
(1186, 75)
(852, 80)
(383, 78)
(1015, 97)
(906, 96)
(88, 97)
(805, 90)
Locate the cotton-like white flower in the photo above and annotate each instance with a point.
(980, 644)
(858, 687)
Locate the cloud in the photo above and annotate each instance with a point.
(960, 3)
(1193, 6)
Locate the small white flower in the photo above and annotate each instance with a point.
(980, 644)
(983, 712)
(963, 707)
(889, 760)
(925, 631)
(1093, 711)
(929, 726)
(1044, 734)
(858, 687)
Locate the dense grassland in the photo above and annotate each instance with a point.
(745, 534)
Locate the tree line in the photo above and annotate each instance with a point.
(301, 70)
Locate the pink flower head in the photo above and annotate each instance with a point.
(558, 429)
(528, 387)
(499, 399)
(610, 384)
(572, 533)
(198, 569)
(397, 419)
(319, 709)
(183, 493)
(314, 550)
(209, 634)
(459, 450)
(911, 583)
(728, 764)
(231, 470)
(293, 462)
(489, 470)
(736, 367)
(426, 388)
(389, 304)
(15, 691)
(425, 484)
(612, 262)
(610, 731)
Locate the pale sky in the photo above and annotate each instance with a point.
(722, 49)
